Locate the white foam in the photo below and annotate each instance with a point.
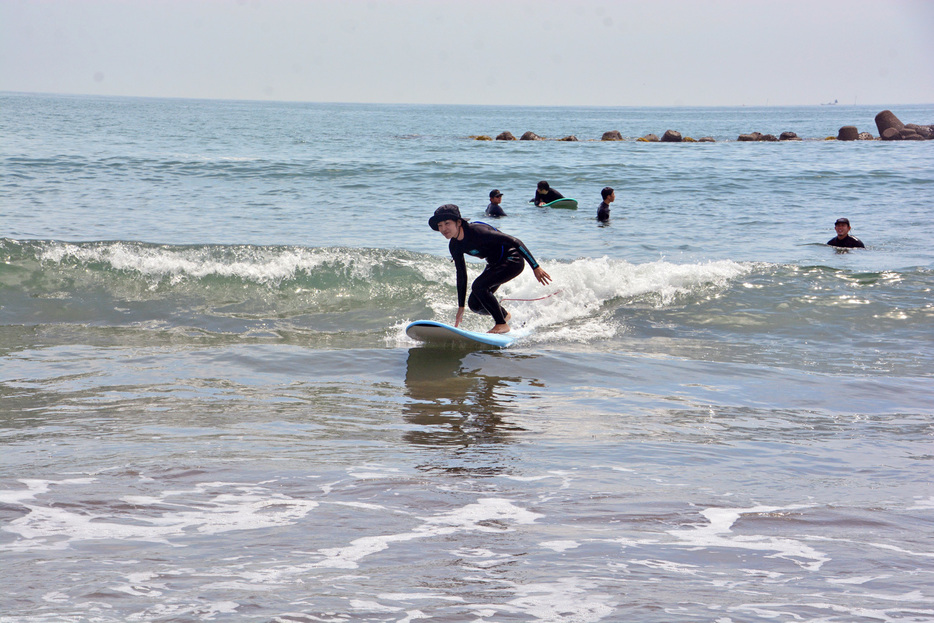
(257, 264)
(362, 505)
(716, 533)
(378, 472)
(372, 606)
(574, 307)
(568, 599)
(56, 597)
(472, 517)
(36, 487)
(787, 611)
(669, 566)
(485, 509)
(560, 546)
(55, 527)
(416, 596)
(858, 580)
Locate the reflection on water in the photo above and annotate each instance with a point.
(451, 403)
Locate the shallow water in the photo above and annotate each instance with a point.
(209, 409)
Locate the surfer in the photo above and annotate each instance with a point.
(494, 208)
(603, 210)
(505, 258)
(545, 194)
(843, 237)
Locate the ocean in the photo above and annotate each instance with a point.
(209, 409)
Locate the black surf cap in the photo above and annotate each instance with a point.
(447, 212)
(842, 221)
(495, 193)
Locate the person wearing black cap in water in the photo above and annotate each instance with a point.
(494, 208)
(545, 194)
(843, 237)
(505, 257)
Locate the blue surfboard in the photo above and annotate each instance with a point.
(566, 203)
(433, 333)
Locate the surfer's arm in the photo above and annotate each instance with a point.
(526, 254)
(461, 267)
(539, 272)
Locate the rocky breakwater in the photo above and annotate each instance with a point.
(892, 129)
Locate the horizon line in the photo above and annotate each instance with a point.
(352, 103)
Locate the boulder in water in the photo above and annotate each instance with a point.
(848, 133)
(671, 136)
(887, 119)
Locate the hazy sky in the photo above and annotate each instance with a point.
(529, 52)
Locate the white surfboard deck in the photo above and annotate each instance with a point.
(432, 332)
(566, 203)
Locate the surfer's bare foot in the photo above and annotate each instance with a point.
(500, 328)
(508, 317)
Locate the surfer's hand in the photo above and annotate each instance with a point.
(540, 274)
(459, 316)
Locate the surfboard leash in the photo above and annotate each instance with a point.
(541, 298)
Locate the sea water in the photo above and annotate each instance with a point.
(209, 410)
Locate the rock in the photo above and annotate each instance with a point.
(887, 119)
(924, 130)
(891, 134)
(671, 136)
(612, 135)
(789, 136)
(569, 139)
(505, 136)
(531, 136)
(482, 137)
(648, 138)
(865, 136)
(688, 139)
(771, 138)
(848, 133)
(752, 136)
(908, 134)
(706, 139)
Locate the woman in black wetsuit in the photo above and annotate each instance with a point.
(505, 256)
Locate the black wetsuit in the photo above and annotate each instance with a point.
(603, 212)
(551, 195)
(494, 209)
(505, 256)
(850, 242)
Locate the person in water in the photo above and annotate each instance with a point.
(545, 194)
(494, 208)
(603, 210)
(843, 237)
(505, 258)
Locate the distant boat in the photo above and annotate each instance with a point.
(833, 103)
